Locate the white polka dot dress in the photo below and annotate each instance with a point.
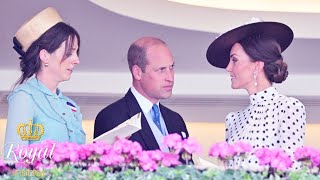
(271, 120)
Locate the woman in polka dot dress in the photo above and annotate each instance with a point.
(252, 55)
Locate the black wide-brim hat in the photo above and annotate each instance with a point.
(218, 53)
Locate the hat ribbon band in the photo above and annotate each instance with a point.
(18, 47)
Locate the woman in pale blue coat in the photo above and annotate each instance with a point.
(49, 51)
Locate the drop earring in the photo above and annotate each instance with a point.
(255, 79)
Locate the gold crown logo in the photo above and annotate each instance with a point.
(32, 132)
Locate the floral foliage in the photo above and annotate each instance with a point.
(125, 159)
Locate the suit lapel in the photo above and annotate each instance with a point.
(166, 118)
(172, 124)
(146, 134)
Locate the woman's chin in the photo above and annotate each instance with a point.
(233, 86)
(66, 78)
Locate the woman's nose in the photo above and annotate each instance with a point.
(229, 67)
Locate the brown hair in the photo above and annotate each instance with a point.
(267, 50)
(137, 51)
(51, 40)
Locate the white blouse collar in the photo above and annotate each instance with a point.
(263, 95)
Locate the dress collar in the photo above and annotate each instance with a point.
(263, 95)
(41, 87)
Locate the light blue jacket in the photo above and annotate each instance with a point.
(33, 100)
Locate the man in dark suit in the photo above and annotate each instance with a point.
(152, 68)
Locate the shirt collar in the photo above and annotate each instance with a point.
(143, 102)
(263, 95)
(41, 87)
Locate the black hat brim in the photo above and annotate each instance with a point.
(218, 53)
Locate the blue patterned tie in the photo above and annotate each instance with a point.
(156, 116)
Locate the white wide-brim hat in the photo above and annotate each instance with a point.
(32, 29)
(218, 53)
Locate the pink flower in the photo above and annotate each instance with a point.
(304, 153)
(105, 160)
(112, 159)
(222, 150)
(61, 152)
(146, 162)
(94, 167)
(58, 158)
(149, 165)
(191, 146)
(84, 152)
(241, 148)
(122, 145)
(156, 155)
(316, 160)
(3, 166)
(100, 147)
(264, 155)
(144, 156)
(170, 159)
(171, 140)
(135, 149)
(74, 156)
(119, 146)
(177, 148)
(275, 158)
(281, 161)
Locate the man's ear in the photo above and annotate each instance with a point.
(44, 56)
(136, 72)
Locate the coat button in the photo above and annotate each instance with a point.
(70, 131)
(63, 113)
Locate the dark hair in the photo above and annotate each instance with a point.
(267, 50)
(137, 51)
(51, 40)
(137, 56)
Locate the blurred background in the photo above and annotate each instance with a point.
(202, 93)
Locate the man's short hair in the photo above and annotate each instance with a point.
(137, 51)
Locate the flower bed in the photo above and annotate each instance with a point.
(126, 160)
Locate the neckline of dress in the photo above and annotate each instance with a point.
(263, 95)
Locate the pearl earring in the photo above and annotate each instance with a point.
(255, 79)
(46, 64)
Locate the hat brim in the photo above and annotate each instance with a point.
(218, 53)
